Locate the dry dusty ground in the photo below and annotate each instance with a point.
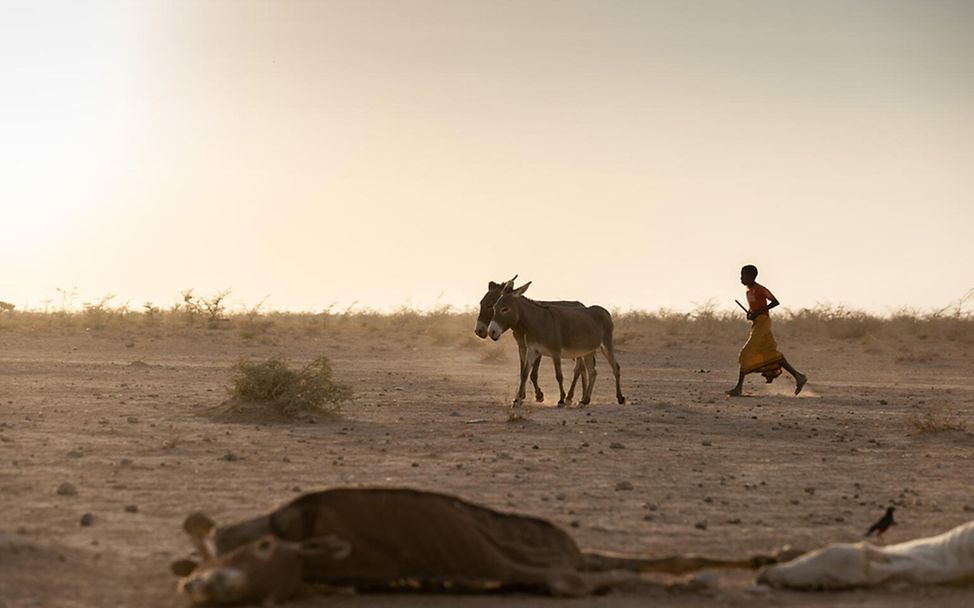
(123, 415)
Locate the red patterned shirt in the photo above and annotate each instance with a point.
(758, 297)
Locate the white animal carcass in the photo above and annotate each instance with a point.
(947, 558)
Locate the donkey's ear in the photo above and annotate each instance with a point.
(514, 278)
(508, 287)
(200, 529)
(493, 286)
(520, 290)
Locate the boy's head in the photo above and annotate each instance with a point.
(749, 274)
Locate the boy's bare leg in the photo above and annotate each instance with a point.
(736, 391)
(800, 378)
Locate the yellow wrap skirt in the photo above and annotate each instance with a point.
(760, 353)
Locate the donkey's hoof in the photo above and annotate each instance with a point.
(622, 400)
(561, 403)
(583, 402)
(539, 396)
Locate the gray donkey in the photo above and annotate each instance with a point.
(556, 332)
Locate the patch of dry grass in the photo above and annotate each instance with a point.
(173, 437)
(290, 391)
(938, 419)
(445, 326)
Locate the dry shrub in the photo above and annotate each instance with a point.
(938, 419)
(173, 438)
(519, 414)
(838, 322)
(446, 326)
(291, 391)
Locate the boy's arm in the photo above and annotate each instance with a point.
(771, 304)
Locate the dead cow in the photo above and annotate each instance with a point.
(375, 539)
(946, 558)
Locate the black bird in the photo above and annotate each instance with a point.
(883, 524)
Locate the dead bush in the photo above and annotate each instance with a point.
(938, 419)
(291, 391)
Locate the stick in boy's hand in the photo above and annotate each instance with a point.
(741, 305)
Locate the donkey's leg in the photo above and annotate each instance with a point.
(673, 564)
(522, 360)
(587, 384)
(616, 370)
(591, 373)
(560, 378)
(525, 367)
(538, 395)
(578, 373)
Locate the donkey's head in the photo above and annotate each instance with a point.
(267, 569)
(506, 313)
(487, 307)
(264, 570)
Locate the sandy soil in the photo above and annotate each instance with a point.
(126, 417)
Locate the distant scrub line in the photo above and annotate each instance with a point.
(448, 326)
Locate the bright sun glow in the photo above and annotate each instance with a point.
(627, 154)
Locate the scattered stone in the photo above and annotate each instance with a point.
(133, 419)
(125, 462)
(74, 454)
(623, 486)
(615, 445)
(131, 508)
(652, 506)
(700, 525)
(286, 459)
(968, 508)
(87, 519)
(574, 523)
(67, 489)
(706, 443)
(560, 496)
(231, 457)
(138, 363)
(296, 489)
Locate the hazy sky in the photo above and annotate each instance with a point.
(631, 154)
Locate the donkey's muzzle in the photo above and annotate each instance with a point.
(494, 331)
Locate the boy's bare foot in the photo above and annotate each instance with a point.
(735, 392)
(800, 381)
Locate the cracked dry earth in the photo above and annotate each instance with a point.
(126, 419)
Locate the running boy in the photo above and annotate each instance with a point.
(760, 353)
